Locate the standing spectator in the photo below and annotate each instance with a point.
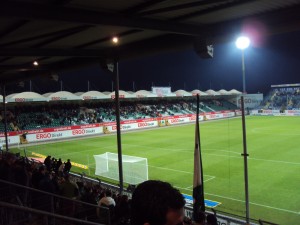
(68, 166)
(68, 189)
(108, 202)
(48, 163)
(156, 203)
(37, 176)
(46, 201)
(61, 169)
(58, 164)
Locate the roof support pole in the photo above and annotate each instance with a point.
(245, 156)
(117, 106)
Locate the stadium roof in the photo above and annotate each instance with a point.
(63, 95)
(25, 97)
(182, 93)
(94, 95)
(67, 34)
(201, 93)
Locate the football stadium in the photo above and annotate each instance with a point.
(163, 147)
(160, 155)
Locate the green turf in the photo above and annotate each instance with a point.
(274, 161)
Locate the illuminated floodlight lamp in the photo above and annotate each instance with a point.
(115, 40)
(35, 63)
(242, 42)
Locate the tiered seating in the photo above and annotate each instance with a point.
(282, 99)
(2, 127)
(36, 117)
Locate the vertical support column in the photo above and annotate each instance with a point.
(117, 105)
(245, 155)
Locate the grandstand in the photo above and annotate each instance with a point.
(282, 97)
(29, 110)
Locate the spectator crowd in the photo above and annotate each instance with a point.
(150, 203)
(35, 116)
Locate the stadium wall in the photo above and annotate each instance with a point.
(52, 134)
(270, 112)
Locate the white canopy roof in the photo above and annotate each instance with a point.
(122, 94)
(201, 93)
(90, 95)
(235, 92)
(47, 94)
(25, 97)
(63, 95)
(212, 92)
(79, 93)
(182, 93)
(144, 94)
(223, 92)
(94, 95)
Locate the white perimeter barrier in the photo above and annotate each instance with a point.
(49, 134)
(270, 112)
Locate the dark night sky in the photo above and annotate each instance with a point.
(275, 61)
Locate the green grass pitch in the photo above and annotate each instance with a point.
(274, 161)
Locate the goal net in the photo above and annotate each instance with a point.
(135, 169)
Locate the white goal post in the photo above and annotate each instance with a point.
(135, 169)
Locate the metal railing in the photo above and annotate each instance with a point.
(49, 206)
(12, 214)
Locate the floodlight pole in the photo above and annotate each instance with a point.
(242, 43)
(243, 71)
(245, 155)
(117, 106)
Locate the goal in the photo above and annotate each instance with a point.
(135, 169)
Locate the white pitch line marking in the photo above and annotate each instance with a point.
(212, 177)
(275, 161)
(253, 203)
(237, 157)
(219, 150)
(163, 168)
(250, 158)
(181, 171)
(238, 200)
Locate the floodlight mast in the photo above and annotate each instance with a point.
(242, 43)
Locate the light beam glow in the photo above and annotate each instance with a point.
(242, 42)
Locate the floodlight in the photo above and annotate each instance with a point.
(115, 40)
(242, 42)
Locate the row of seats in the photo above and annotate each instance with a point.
(37, 116)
